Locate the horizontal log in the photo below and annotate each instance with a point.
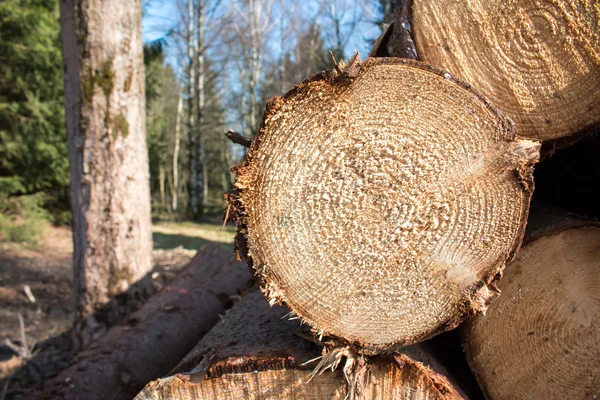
(155, 338)
(536, 60)
(256, 352)
(541, 338)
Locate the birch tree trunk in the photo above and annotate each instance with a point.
(162, 175)
(110, 194)
(202, 176)
(175, 191)
(193, 158)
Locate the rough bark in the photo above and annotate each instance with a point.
(396, 39)
(110, 195)
(382, 192)
(541, 338)
(255, 352)
(155, 338)
(537, 61)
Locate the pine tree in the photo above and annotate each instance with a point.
(33, 144)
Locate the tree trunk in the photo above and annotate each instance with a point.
(541, 338)
(162, 175)
(202, 173)
(536, 60)
(155, 338)
(255, 352)
(192, 113)
(175, 190)
(397, 200)
(105, 108)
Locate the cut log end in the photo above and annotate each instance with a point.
(538, 61)
(256, 353)
(541, 338)
(399, 378)
(379, 206)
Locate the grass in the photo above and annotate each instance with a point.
(190, 235)
(23, 218)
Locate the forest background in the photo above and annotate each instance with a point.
(204, 76)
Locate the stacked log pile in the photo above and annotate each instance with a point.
(382, 201)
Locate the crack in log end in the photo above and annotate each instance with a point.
(240, 365)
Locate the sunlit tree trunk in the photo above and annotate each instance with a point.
(106, 124)
(175, 186)
(202, 174)
(162, 175)
(192, 102)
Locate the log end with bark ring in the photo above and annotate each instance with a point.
(380, 199)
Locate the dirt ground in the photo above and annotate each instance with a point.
(47, 313)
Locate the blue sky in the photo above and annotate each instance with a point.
(162, 15)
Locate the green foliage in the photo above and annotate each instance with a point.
(33, 139)
(161, 110)
(23, 218)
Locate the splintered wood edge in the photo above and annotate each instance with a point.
(417, 373)
(342, 76)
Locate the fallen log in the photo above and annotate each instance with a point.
(380, 199)
(155, 338)
(537, 61)
(255, 352)
(541, 338)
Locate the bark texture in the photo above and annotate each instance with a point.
(154, 339)
(255, 352)
(536, 60)
(380, 199)
(541, 338)
(106, 125)
(396, 39)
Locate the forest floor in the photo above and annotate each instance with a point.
(48, 312)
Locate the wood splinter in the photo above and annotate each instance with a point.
(238, 138)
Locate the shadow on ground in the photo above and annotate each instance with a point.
(168, 241)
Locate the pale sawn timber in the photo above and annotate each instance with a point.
(541, 338)
(538, 61)
(154, 339)
(256, 352)
(380, 199)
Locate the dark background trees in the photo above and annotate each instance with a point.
(33, 144)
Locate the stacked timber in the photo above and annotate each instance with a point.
(382, 201)
(255, 352)
(541, 338)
